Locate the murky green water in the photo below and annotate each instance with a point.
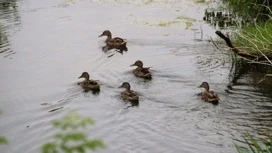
(46, 45)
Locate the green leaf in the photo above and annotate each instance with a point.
(88, 120)
(56, 123)
(238, 148)
(3, 140)
(49, 148)
(93, 144)
(249, 144)
(270, 143)
(80, 149)
(69, 124)
(254, 142)
(59, 136)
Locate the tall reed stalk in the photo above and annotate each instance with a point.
(254, 146)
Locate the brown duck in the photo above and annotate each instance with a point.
(88, 84)
(209, 95)
(140, 71)
(115, 42)
(129, 95)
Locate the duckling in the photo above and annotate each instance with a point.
(140, 71)
(129, 95)
(88, 84)
(113, 42)
(209, 95)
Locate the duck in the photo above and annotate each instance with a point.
(115, 42)
(140, 71)
(209, 95)
(88, 84)
(129, 95)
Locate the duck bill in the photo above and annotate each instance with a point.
(133, 65)
(101, 35)
(120, 87)
(80, 77)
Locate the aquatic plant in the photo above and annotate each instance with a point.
(188, 22)
(71, 138)
(255, 146)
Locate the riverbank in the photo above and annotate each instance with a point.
(255, 34)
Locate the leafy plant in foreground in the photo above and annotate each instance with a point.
(254, 146)
(71, 139)
(3, 140)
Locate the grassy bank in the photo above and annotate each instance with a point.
(255, 35)
(255, 38)
(251, 9)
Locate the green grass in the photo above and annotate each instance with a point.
(256, 39)
(254, 146)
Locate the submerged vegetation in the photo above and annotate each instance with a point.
(254, 146)
(188, 22)
(72, 139)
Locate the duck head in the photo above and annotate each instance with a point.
(205, 85)
(85, 75)
(138, 63)
(125, 85)
(106, 33)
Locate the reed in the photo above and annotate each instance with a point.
(257, 38)
(254, 146)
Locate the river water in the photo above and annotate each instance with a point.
(46, 45)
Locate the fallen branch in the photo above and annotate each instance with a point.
(237, 51)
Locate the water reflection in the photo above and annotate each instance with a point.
(246, 104)
(9, 15)
(249, 103)
(241, 70)
(119, 49)
(219, 18)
